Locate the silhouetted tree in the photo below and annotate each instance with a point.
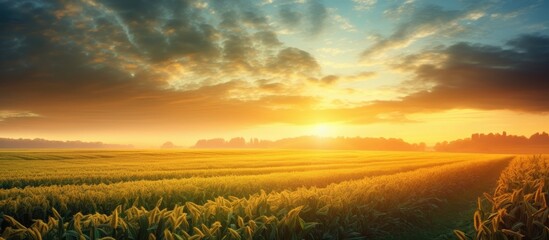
(498, 143)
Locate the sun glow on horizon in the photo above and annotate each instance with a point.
(322, 130)
(272, 70)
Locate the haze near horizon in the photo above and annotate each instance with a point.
(142, 73)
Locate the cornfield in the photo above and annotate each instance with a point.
(395, 195)
(518, 205)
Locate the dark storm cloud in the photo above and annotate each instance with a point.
(99, 63)
(134, 35)
(20, 36)
(49, 63)
(102, 33)
(514, 77)
(165, 29)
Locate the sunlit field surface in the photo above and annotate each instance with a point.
(518, 207)
(248, 194)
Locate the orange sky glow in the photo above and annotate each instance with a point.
(142, 74)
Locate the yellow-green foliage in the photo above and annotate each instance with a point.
(349, 207)
(275, 171)
(219, 219)
(519, 205)
(27, 168)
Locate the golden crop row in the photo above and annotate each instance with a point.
(33, 202)
(519, 205)
(219, 219)
(368, 207)
(103, 197)
(82, 167)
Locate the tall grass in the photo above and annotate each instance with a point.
(518, 208)
(84, 167)
(370, 207)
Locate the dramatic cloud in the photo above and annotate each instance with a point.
(292, 61)
(289, 17)
(88, 66)
(91, 62)
(309, 17)
(513, 77)
(267, 38)
(424, 21)
(317, 16)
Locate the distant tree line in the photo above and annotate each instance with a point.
(313, 142)
(498, 143)
(43, 143)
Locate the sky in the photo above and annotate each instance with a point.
(145, 72)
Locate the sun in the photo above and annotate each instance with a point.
(321, 130)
